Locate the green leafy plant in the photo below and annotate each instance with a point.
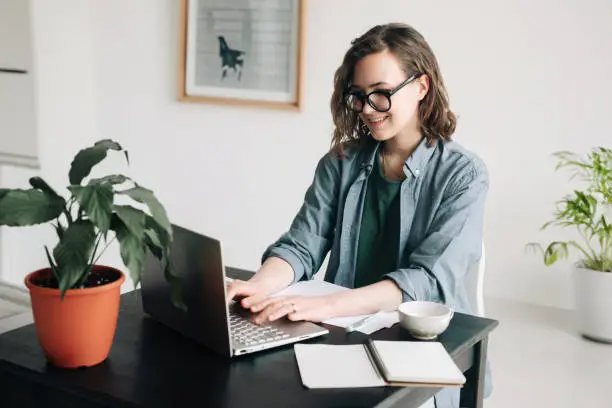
(89, 220)
(588, 210)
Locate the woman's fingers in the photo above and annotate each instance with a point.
(284, 310)
(249, 293)
(271, 309)
(261, 304)
(298, 315)
(316, 309)
(274, 309)
(255, 299)
(237, 288)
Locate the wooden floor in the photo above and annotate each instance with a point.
(13, 315)
(8, 308)
(538, 359)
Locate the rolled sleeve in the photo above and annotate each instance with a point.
(310, 235)
(415, 284)
(436, 268)
(289, 256)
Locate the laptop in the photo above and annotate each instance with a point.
(227, 329)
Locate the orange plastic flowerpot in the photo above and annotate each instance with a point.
(77, 331)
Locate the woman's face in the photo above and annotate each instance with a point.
(382, 71)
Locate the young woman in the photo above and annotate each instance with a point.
(397, 202)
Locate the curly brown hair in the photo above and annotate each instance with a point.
(416, 57)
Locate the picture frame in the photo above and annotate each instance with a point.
(242, 52)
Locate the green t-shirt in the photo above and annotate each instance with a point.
(380, 222)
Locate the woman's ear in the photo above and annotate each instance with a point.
(422, 86)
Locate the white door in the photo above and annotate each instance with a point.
(17, 112)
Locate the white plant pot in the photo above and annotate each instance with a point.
(593, 296)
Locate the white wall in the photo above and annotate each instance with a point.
(526, 78)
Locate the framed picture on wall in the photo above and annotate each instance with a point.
(245, 52)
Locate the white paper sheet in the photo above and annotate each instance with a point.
(333, 366)
(383, 320)
(312, 287)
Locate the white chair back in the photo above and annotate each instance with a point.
(474, 284)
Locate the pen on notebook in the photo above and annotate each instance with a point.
(360, 323)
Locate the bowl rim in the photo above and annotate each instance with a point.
(446, 313)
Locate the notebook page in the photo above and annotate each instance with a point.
(414, 361)
(336, 366)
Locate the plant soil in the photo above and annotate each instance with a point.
(96, 278)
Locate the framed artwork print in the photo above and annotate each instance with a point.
(245, 52)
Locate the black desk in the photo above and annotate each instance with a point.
(151, 366)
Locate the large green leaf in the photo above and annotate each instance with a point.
(87, 158)
(29, 207)
(133, 252)
(97, 202)
(176, 285)
(145, 196)
(131, 247)
(154, 244)
(160, 244)
(40, 184)
(73, 253)
(111, 179)
(132, 218)
(158, 241)
(161, 236)
(555, 250)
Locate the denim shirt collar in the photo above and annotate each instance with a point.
(414, 165)
(419, 158)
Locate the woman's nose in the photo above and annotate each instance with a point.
(367, 109)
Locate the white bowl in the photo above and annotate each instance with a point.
(425, 320)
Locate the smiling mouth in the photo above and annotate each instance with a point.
(378, 122)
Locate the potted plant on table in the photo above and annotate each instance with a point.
(589, 211)
(75, 300)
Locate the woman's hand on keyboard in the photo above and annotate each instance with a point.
(248, 293)
(274, 275)
(311, 308)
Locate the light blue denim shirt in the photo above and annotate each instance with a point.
(442, 206)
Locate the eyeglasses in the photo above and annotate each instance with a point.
(379, 100)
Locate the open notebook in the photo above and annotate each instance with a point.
(377, 363)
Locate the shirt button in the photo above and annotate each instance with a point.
(417, 172)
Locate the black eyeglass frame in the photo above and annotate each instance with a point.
(366, 97)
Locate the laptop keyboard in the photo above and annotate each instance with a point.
(249, 333)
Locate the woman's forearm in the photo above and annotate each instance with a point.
(384, 295)
(275, 274)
